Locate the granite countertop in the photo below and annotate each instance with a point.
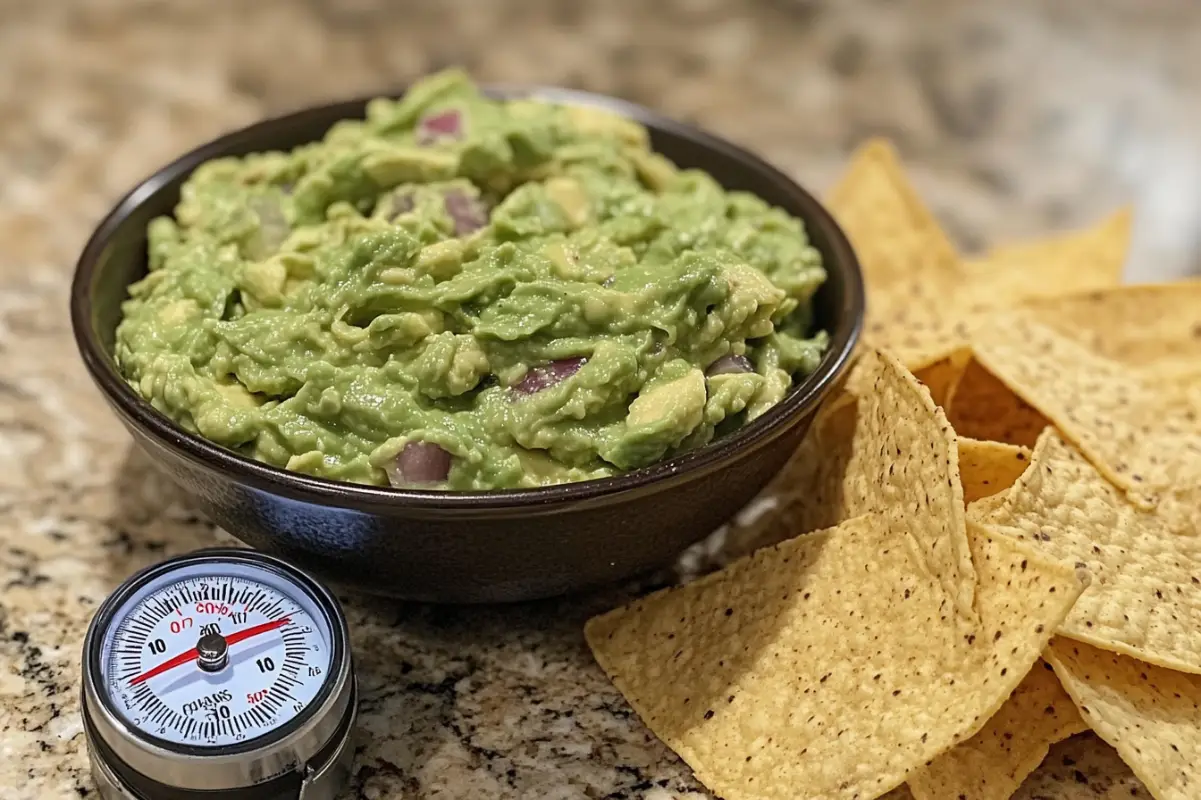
(1017, 121)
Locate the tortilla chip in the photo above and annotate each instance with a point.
(920, 293)
(894, 454)
(980, 511)
(982, 407)
(808, 494)
(986, 468)
(902, 249)
(1151, 715)
(789, 502)
(1152, 327)
(1082, 768)
(1070, 263)
(829, 666)
(909, 265)
(890, 451)
(1113, 418)
(1180, 391)
(1145, 597)
(993, 763)
(941, 372)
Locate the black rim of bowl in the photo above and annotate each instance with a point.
(279, 480)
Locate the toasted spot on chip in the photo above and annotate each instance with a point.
(1112, 416)
(847, 672)
(1143, 599)
(1069, 263)
(993, 763)
(1150, 715)
(986, 468)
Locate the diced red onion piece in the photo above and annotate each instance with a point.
(467, 212)
(419, 462)
(446, 124)
(730, 365)
(544, 376)
(402, 203)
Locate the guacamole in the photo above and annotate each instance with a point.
(462, 293)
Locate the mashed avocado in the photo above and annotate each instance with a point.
(463, 293)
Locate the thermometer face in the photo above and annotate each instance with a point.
(212, 654)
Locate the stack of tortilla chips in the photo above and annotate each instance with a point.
(1002, 519)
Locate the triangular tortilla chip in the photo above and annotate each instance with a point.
(1151, 327)
(1151, 715)
(904, 253)
(1112, 416)
(1079, 261)
(831, 665)
(986, 468)
(919, 292)
(981, 407)
(993, 763)
(1145, 597)
(894, 454)
(909, 265)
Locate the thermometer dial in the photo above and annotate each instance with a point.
(221, 670)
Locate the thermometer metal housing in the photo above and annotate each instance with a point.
(149, 707)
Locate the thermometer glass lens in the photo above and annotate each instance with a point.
(215, 654)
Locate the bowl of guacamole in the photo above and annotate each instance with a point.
(405, 310)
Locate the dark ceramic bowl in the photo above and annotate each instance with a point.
(467, 546)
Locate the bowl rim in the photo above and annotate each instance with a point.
(280, 481)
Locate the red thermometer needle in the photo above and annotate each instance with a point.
(192, 655)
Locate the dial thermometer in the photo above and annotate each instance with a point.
(224, 671)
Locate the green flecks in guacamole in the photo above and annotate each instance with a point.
(471, 294)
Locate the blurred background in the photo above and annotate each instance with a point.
(1017, 119)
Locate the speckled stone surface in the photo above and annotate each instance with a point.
(1018, 119)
